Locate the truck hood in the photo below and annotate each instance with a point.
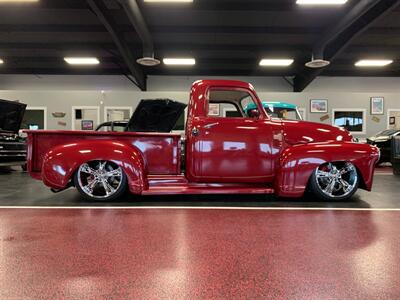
(303, 132)
(158, 115)
(11, 114)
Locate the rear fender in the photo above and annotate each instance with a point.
(62, 161)
(298, 162)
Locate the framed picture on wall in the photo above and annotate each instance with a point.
(318, 106)
(87, 124)
(392, 120)
(377, 105)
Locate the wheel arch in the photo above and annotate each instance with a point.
(61, 162)
(298, 162)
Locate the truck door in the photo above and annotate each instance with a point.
(234, 141)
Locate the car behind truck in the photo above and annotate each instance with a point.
(250, 153)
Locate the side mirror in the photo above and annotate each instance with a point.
(254, 113)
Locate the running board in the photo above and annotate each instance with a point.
(170, 185)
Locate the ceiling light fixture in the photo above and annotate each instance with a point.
(168, 1)
(373, 63)
(179, 61)
(17, 1)
(266, 62)
(148, 61)
(321, 2)
(1, 61)
(82, 60)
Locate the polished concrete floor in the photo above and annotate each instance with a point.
(199, 254)
(57, 246)
(17, 188)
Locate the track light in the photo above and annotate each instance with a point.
(266, 62)
(373, 63)
(179, 61)
(321, 2)
(82, 60)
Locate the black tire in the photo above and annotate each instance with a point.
(316, 190)
(24, 167)
(120, 191)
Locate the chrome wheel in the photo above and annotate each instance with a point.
(336, 180)
(100, 179)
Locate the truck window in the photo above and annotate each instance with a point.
(230, 104)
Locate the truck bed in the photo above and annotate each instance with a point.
(161, 151)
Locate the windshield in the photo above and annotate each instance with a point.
(387, 132)
(283, 113)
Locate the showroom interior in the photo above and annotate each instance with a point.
(199, 149)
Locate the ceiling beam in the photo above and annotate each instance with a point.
(338, 37)
(126, 52)
(136, 18)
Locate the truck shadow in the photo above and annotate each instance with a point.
(233, 201)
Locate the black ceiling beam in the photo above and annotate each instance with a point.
(126, 52)
(165, 29)
(136, 18)
(337, 38)
(170, 46)
(60, 71)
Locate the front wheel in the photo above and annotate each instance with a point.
(100, 180)
(334, 181)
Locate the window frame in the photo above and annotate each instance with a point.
(364, 118)
(263, 114)
(44, 109)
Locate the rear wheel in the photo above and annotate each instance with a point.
(334, 181)
(100, 180)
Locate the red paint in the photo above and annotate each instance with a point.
(199, 254)
(237, 155)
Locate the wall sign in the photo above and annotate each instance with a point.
(376, 119)
(58, 114)
(323, 118)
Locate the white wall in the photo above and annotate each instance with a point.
(60, 93)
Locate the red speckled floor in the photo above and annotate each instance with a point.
(199, 254)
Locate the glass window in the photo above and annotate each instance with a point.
(118, 114)
(33, 119)
(180, 124)
(231, 104)
(352, 121)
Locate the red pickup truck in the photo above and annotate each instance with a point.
(248, 153)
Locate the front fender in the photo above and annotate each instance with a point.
(298, 162)
(62, 161)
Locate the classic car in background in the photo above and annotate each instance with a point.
(383, 140)
(12, 146)
(113, 126)
(280, 110)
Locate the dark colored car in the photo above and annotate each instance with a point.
(12, 147)
(383, 140)
(114, 126)
(396, 155)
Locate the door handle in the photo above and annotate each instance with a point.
(195, 131)
(208, 126)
